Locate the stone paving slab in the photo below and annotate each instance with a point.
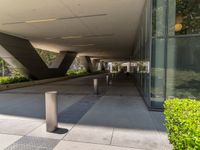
(76, 111)
(68, 145)
(6, 140)
(91, 134)
(137, 138)
(18, 127)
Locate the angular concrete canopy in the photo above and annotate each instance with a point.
(98, 28)
(21, 55)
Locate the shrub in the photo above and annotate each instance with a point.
(183, 123)
(77, 72)
(10, 80)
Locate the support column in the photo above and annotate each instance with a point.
(101, 66)
(20, 54)
(87, 63)
(110, 67)
(129, 67)
(119, 68)
(95, 64)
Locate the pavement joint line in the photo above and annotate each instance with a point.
(131, 147)
(12, 134)
(112, 136)
(34, 129)
(77, 141)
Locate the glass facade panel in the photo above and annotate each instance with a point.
(157, 72)
(183, 67)
(175, 70)
(141, 54)
(184, 17)
(158, 18)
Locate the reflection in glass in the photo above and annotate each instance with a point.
(158, 18)
(157, 72)
(184, 17)
(183, 70)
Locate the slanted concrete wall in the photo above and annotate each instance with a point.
(21, 55)
(87, 63)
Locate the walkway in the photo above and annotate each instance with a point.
(117, 119)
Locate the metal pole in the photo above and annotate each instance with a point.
(107, 79)
(96, 86)
(51, 111)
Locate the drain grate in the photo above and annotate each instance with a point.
(33, 143)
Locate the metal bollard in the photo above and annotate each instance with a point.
(112, 75)
(107, 79)
(96, 86)
(51, 111)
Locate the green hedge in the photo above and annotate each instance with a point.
(10, 80)
(183, 123)
(77, 72)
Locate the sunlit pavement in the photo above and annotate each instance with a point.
(116, 119)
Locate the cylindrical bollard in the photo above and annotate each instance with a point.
(51, 111)
(112, 75)
(107, 79)
(96, 86)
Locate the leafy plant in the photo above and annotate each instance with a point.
(10, 80)
(77, 72)
(47, 56)
(183, 123)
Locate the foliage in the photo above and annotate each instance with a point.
(77, 72)
(187, 14)
(10, 80)
(183, 123)
(47, 56)
(189, 10)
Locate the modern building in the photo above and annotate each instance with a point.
(162, 37)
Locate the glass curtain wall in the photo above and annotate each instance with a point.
(183, 55)
(141, 55)
(175, 63)
(157, 95)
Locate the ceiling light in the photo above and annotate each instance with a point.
(85, 16)
(81, 36)
(72, 37)
(53, 19)
(99, 35)
(41, 20)
(84, 45)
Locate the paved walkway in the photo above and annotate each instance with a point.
(117, 119)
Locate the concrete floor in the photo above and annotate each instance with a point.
(117, 119)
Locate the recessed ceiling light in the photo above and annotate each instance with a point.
(99, 35)
(54, 19)
(72, 37)
(83, 45)
(41, 20)
(81, 36)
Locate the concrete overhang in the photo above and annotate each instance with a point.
(99, 28)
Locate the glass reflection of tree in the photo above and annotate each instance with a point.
(187, 17)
